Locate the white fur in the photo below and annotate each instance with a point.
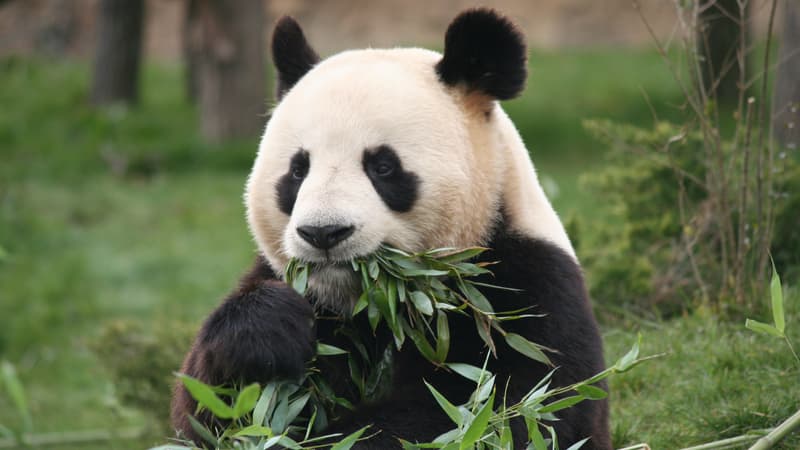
(468, 166)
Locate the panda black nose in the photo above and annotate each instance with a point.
(326, 237)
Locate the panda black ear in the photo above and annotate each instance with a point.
(486, 52)
(292, 55)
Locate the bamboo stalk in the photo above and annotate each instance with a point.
(725, 443)
(637, 447)
(778, 433)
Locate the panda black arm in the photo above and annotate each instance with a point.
(262, 331)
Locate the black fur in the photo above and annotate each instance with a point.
(289, 184)
(263, 331)
(396, 186)
(291, 53)
(264, 321)
(486, 52)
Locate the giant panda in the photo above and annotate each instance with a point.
(410, 148)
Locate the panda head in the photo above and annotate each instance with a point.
(405, 147)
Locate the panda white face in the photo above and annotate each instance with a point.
(368, 148)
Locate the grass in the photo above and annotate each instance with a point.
(127, 214)
(715, 380)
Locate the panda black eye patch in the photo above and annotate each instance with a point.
(289, 184)
(396, 186)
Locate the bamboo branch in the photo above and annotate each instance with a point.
(778, 433)
(734, 442)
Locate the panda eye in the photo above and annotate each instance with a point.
(298, 172)
(384, 169)
(298, 166)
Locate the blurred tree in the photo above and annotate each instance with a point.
(229, 71)
(721, 30)
(119, 42)
(192, 33)
(55, 36)
(786, 97)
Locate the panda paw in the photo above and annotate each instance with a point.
(262, 334)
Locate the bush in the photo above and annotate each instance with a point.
(142, 361)
(668, 254)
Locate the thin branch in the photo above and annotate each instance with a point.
(729, 443)
(764, 223)
(778, 433)
(745, 183)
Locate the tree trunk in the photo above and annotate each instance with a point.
(718, 41)
(786, 97)
(119, 42)
(192, 41)
(230, 73)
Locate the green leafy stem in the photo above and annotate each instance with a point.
(413, 293)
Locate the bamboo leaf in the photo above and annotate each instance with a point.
(246, 400)
(478, 425)
(776, 294)
(17, 393)
(289, 443)
(380, 375)
(474, 296)
(462, 255)
(626, 362)
(482, 325)
(563, 403)
(300, 281)
(442, 337)
(591, 392)
(254, 430)
(373, 315)
(506, 437)
(763, 328)
(361, 303)
(373, 269)
(271, 442)
(263, 404)
(401, 291)
(421, 302)
(278, 422)
(202, 431)
(535, 435)
(470, 270)
(527, 348)
(350, 440)
(448, 437)
(355, 374)
(423, 272)
(206, 397)
(391, 301)
(484, 390)
(329, 350)
(468, 371)
(296, 406)
(451, 410)
(420, 342)
(578, 444)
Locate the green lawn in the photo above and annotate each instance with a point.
(128, 214)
